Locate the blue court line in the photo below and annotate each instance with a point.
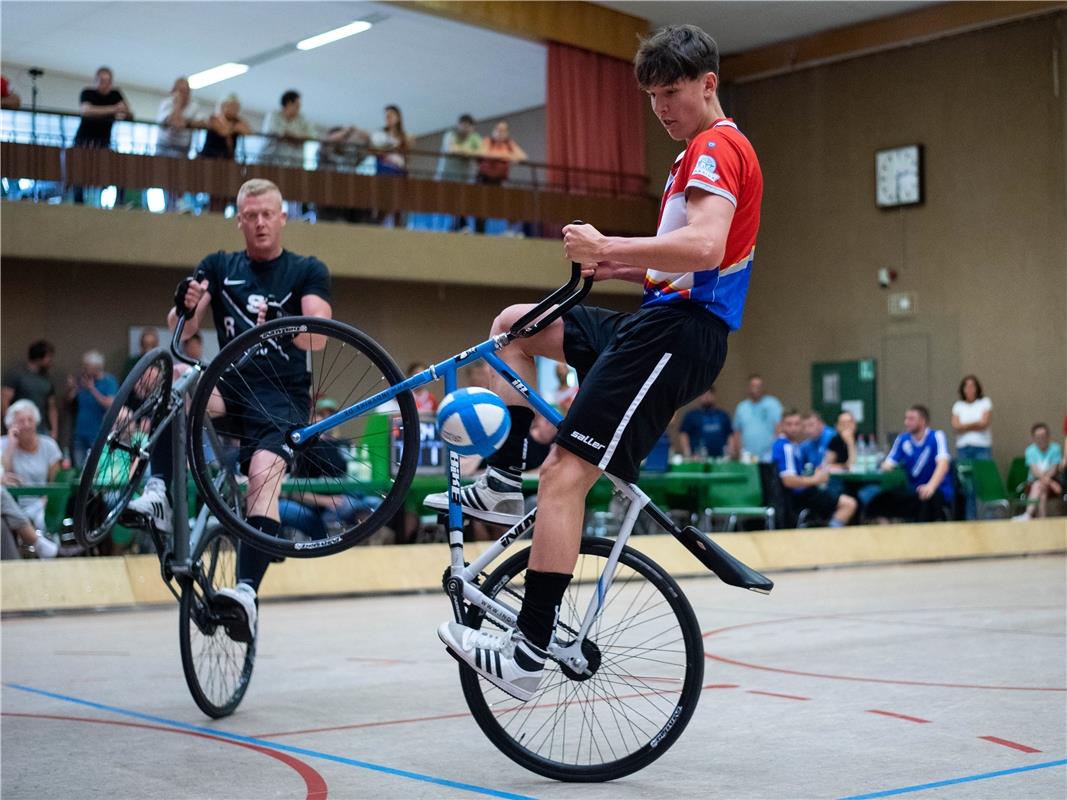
(966, 779)
(400, 773)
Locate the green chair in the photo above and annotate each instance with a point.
(736, 500)
(990, 494)
(1018, 476)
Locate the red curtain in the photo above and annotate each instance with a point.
(594, 120)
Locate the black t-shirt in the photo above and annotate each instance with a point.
(838, 447)
(237, 285)
(96, 131)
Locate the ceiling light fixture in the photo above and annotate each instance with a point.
(216, 74)
(332, 36)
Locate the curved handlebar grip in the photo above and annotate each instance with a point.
(176, 339)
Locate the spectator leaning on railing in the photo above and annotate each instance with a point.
(179, 114)
(287, 130)
(101, 105)
(8, 98)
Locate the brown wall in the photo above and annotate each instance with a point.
(985, 255)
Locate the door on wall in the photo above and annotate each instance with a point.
(838, 386)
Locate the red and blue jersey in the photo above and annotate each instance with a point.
(719, 161)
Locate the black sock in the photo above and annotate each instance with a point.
(252, 563)
(540, 605)
(511, 457)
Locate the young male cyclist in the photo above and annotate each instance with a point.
(635, 369)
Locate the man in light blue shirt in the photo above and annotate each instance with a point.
(756, 420)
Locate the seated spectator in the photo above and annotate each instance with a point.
(91, 394)
(179, 114)
(1043, 458)
(808, 491)
(841, 451)
(149, 341)
(8, 98)
(923, 454)
(327, 457)
(425, 402)
(567, 389)
(288, 129)
(28, 457)
(817, 435)
(31, 382)
(705, 431)
(15, 525)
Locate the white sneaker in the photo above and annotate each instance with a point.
(1021, 518)
(504, 658)
(482, 502)
(238, 606)
(153, 503)
(44, 547)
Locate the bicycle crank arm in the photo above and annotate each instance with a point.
(729, 569)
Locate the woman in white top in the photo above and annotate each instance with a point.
(971, 419)
(28, 457)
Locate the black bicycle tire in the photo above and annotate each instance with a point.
(85, 484)
(687, 701)
(405, 472)
(189, 596)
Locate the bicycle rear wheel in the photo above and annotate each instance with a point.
(217, 668)
(119, 457)
(360, 470)
(646, 657)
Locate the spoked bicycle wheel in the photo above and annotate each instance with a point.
(267, 382)
(646, 659)
(119, 457)
(217, 668)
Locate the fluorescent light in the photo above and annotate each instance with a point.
(332, 36)
(220, 73)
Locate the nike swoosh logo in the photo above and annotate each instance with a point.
(228, 282)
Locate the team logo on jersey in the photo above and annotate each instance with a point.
(711, 145)
(706, 166)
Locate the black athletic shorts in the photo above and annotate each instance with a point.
(821, 502)
(634, 371)
(260, 416)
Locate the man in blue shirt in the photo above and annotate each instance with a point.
(818, 435)
(91, 393)
(922, 453)
(756, 420)
(808, 491)
(705, 430)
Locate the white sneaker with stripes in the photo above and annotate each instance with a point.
(153, 503)
(504, 658)
(492, 498)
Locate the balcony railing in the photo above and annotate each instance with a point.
(38, 147)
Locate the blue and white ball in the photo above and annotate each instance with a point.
(473, 422)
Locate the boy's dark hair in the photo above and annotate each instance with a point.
(1038, 426)
(40, 349)
(923, 411)
(790, 412)
(466, 118)
(289, 97)
(674, 53)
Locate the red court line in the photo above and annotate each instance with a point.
(1006, 743)
(895, 715)
(776, 694)
(719, 686)
(315, 783)
(829, 676)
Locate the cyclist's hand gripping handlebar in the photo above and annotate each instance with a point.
(184, 314)
(564, 299)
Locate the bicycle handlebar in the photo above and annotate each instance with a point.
(564, 298)
(176, 339)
